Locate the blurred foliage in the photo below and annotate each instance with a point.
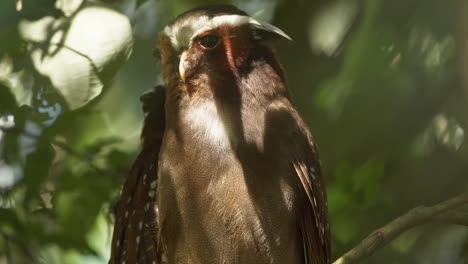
(382, 84)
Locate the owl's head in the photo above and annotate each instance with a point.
(214, 41)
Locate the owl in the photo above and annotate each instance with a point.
(228, 171)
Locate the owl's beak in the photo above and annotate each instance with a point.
(183, 65)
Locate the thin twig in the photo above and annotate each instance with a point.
(82, 157)
(416, 216)
(65, 147)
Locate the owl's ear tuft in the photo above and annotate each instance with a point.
(266, 32)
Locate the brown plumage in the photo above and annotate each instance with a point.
(238, 175)
(136, 229)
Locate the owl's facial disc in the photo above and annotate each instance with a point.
(198, 34)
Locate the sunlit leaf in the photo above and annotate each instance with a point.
(68, 7)
(81, 54)
(447, 132)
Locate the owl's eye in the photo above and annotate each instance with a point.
(208, 41)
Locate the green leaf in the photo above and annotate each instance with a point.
(68, 7)
(81, 54)
(7, 100)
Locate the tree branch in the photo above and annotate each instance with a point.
(458, 216)
(453, 211)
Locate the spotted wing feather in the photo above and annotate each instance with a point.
(135, 231)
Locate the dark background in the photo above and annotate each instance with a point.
(382, 84)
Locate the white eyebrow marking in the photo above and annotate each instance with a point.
(182, 33)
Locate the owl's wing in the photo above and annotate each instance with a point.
(297, 145)
(135, 231)
(312, 215)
